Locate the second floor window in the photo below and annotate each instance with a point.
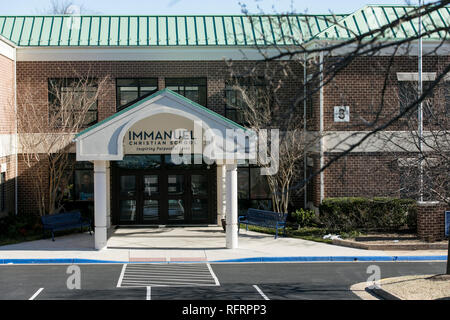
(72, 102)
(235, 102)
(192, 88)
(408, 94)
(130, 90)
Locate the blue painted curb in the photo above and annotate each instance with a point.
(338, 259)
(256, 259)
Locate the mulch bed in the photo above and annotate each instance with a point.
(383, 241)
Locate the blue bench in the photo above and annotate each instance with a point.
(264, 218)
(65, 221)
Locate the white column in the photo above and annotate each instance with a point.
(221, 196)
(108, 195)
(232, 206)
(100, 204)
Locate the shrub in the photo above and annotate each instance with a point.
(345, 214)
(304, 218)
(13, 226)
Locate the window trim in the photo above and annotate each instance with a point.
(247, 167)
(229, 83)
(67, 80)
(118, 106)
(190, 78)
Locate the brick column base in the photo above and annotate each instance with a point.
(430, 221)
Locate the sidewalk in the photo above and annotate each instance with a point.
(195, 244)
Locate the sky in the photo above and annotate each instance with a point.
(199, 7)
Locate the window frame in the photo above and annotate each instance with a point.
(120, 107)
(248, 200)
(413, 84)
(229, 88)
(186, 79)
(64, 82)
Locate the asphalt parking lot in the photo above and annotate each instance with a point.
(252, 281)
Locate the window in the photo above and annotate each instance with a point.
(130, 90)
(67, 99)
(234, 100)
(408, 94)
(192, 88)
(253, 190)
(2, 191)
(78, 183)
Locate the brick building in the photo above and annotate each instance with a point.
(159, 68)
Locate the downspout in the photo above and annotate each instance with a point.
(322, 185)
(16, 143)
(305, 176)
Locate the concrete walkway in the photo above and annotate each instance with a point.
(184, 245)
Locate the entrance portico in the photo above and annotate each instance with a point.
(148, 166)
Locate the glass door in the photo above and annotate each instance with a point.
(199, 188)
(176, 198)
(127, 202)
(151, 199)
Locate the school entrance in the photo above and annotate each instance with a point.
(151, 190)
(142, 172)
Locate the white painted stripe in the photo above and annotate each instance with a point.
(216, 280)
(119, 283)
(36, 294)
(198, 274)
(149, 293)
(175, 279)
(163, 276)
(260, 292)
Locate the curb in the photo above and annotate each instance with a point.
(338, 259)
(387, 247)
(243, 260)
(382, 294)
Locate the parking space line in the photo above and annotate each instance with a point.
(121, 275)
(260, 292)
(149, 293)
(213, 274)
(36, 294)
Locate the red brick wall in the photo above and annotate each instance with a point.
(7, 125)
(36, 75)
(360, 86)
(431, 221)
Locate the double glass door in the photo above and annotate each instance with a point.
(162, 197)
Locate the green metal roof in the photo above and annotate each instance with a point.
(237, 30)
(373, 17)
(141, 31)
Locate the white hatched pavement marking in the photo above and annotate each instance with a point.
(151, 275)
(121, 275)
(260, 292)
(36, 294)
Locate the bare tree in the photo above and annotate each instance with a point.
(46, 132)
(326, 61)
(254, 97)
(65, 7)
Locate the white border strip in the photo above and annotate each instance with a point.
(36, 294)
(260, 292)
(149, 293)
(119, 283)
(213, 274)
